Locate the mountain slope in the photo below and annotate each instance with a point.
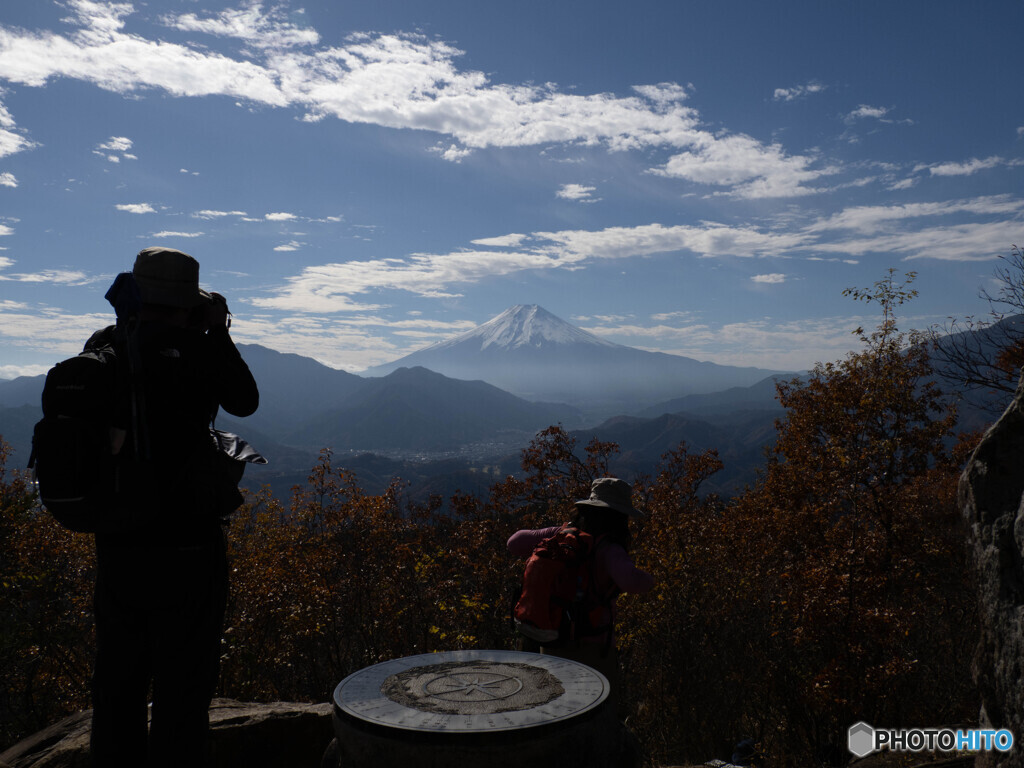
(293, 389)
(414, 409)
(531, 353)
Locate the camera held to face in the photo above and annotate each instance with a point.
(211, 312)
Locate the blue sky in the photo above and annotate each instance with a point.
(361, 179)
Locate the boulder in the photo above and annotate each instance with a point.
(277, 735)
(991, 490)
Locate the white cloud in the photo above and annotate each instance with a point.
(136, 208)
(397, 81)
(5, 230)
(790, 345)
(923, 230)
(168, 233)
(976, 241)
(14, 371)
(55, 276)
(865, 111)
(868, 219)
(292, 246)
(116, 144)
(755, 170)
(250, 24)
(280, 217)
(49, 330)
(352, 342)
(903, 184)
(577, 192)
(969, 167)
(208, 214)
(912, 231)
(330, 287)
(797, 91)
(8, 180)
(11, 142)
(453, 153)
(502, 241)
(100, 52)
(666, 316)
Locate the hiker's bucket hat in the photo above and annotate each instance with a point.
(611, 493)
(169, 277)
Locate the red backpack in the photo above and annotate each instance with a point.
(559, 602)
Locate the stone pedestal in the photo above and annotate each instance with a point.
(494, 708)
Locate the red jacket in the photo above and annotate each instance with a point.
(614, 571)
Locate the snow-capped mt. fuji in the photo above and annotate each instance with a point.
(524, 325)
(531, 353)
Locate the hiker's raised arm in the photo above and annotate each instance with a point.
(236, 388)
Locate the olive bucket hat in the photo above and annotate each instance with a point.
(611, 493)
(169, 277)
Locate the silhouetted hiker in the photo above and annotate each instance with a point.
(606, 572)
(161, 584)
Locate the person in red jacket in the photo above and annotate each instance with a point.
(605, 515)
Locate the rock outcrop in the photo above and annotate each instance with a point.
(243, 735)
(991, 490)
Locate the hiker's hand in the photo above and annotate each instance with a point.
(217, 312)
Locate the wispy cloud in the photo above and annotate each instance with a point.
(331, 287)
(136, 208)
(7, 180)
(969, 167)
(55, 276)
(773, 278)
(502, 241)
(11, 140)
(400, 81)
(577, 192)
(753, 169)
(48, 330)
(912, 231)
(353, 342)
(210, 214)
(168, 234)
(797, 91)
(869, 219)
(270, 30)
(865, 111)
(115, 149)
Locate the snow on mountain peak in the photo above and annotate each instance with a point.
(527, 325)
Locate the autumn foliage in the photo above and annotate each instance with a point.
(833, 590)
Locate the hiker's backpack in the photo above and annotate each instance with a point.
(73, 445)
(559, 602)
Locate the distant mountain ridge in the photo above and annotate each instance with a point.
(414, 414)
(530, 352)
(413, 409)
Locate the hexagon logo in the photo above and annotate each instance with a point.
(860, 739)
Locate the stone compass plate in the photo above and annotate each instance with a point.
(470, 692)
